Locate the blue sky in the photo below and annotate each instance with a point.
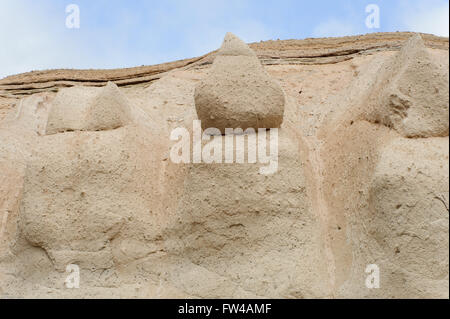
(120, 33)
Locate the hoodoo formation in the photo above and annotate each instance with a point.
(411, 93)
(361, 181)
(238, 92)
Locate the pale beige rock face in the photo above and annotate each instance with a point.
(88, 109)
(411, 94)
(86, 179)
(256, 231)
(238, 92)
(403, 227)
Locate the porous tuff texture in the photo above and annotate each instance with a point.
(237, 222)
(92, 109)
(411, 94)
(348, 191)
(80, 192)
(386, 188)
(238, 92)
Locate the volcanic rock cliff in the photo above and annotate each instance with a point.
(87, 176)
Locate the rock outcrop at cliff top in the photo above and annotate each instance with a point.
(88, 109)
(412, 94)
(238, 93)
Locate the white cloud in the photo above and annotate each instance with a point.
(34, 36)
(202, 24)
(334, 28)
(428, 19)
(26, 35)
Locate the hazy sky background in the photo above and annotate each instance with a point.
(120, 33)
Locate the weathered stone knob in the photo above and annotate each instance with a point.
(238, 93)
(88, 109)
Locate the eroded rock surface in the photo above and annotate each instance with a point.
(411, 94)
(88, 109)
(86, 176)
